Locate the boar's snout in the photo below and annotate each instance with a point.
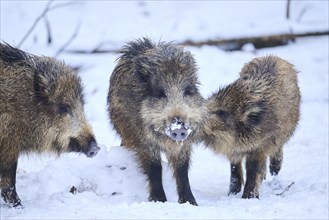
(93, 149)
(177, 130)
(179, 134)
(87, 146)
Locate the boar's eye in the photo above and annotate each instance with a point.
(189, 91)
(222, 114)
(64, 109)
(159, 93)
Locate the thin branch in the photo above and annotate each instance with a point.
(35, 23)
(62, 5)
(47, 9)
(94, 51)
(74, 35)
(288, 9)
(301, 14)
(285, 190)
(49, 37)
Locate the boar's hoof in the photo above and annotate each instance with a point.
(158, 199)
(234, 191)
(191, 201)
(235, 186)
(275, 169)
(18, 205)
(10, 196)
(250, 195)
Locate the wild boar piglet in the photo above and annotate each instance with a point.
(252, 119)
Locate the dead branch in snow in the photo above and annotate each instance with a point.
(226, 44)
(258, 42)
(286, 189)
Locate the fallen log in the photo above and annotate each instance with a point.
(228, 44)
(258, 42)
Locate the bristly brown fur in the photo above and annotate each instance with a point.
(253, 118)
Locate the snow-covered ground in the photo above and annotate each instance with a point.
(110, 186)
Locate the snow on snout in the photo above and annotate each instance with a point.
(178, 131)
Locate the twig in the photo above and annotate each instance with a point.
(301, 14)
(35, 23)
(49, 38)
(42, 15)
(75, 33)
(288, 9)
(62, 5)
(286, 189)
(94, 51)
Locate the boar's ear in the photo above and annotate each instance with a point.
(42, 86)
(143, 78)
(255, 113)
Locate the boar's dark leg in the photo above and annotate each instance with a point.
(256, 168)
(152, 168)
(276, 162)
(183, 184)
(154, 174)
(8, 184)
(236, 179)
(180, 166)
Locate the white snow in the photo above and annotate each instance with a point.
(110, 185)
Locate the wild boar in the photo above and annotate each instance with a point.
(41, 110)
(155, 106)
(252, 119)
